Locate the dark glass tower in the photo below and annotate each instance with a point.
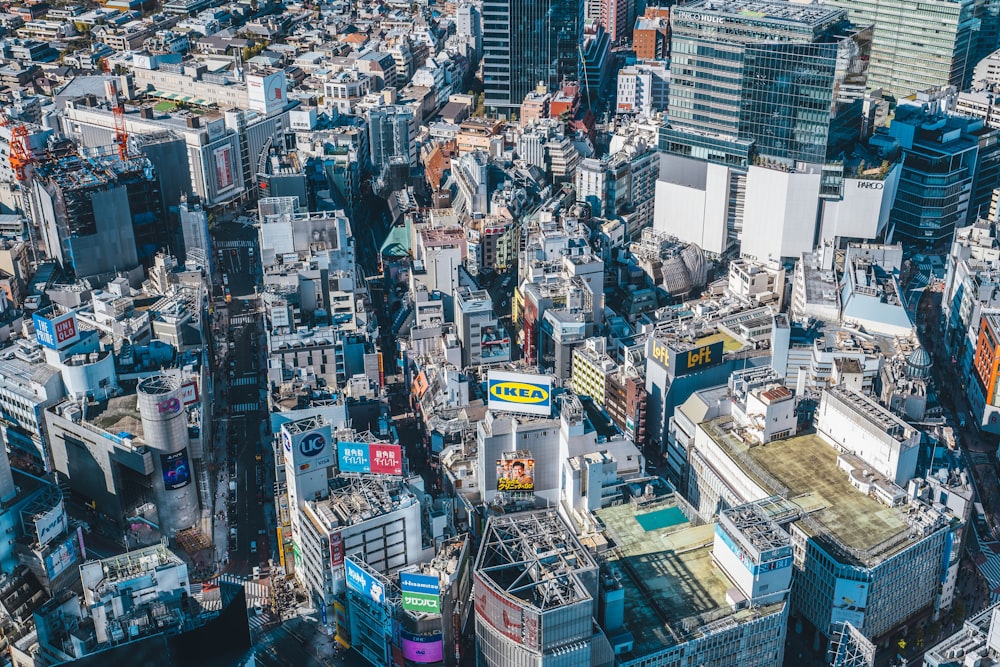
(526, 42)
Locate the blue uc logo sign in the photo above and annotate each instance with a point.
(312, 445)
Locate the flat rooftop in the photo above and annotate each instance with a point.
(672, 587)
(769, 10)
(119, 414)
(807, 467)
(729, 344)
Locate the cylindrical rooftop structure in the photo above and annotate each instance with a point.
(165, 431)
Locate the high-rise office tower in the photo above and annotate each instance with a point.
(526, 42)
(924, 45)
(785, 76)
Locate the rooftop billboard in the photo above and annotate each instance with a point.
(520, 392)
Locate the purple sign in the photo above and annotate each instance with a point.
(422, 648)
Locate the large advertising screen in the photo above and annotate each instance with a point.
(176, 469)
(223, 167)
(376, 458)
(520, 392)
(266, 93)
(515, 475)
(422, 649)
(50, 524)
(57, 332)
(363, 583)
(494, 344)
(850, 599)
(421, 592)
(386, 459)
(61, 557)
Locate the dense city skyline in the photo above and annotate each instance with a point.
(499, 332)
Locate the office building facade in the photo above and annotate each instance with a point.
(940, 156)
(788, 77)
(925, 45)
(526, 42)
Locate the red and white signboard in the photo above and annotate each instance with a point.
(385, 459)
(65, 329)
(223, 168)
(506, 617)
(189, 393)
(336, 549)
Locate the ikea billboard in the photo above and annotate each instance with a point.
(520, 392)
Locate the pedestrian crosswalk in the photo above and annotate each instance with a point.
(226, 245)
(242, 319)
(211, 604)
(242, 382)
(257, 592)
(246, 407)
(258, 622)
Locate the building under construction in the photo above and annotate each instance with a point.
(100, 215)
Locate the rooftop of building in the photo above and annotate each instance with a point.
(969, 646)
(19, 376)
(672, 586)
(811, 15)
(359, 500)
(117, 415)
(757, 527)
(74, 172)
(652, 23)
(127, 566)
(877, 416)
(804, 467)
(534, 557)
(820, 282)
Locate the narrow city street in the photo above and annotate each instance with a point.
(248, 457)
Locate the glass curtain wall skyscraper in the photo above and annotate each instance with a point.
(788, 77)
(925, 44)
(527, 42)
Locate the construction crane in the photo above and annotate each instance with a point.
(20, 150)
(21, 159)
(118, 109)
(121, 133)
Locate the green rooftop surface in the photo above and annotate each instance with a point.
(667, 574)
(807, 466)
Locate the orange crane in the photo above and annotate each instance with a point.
(21, 159)
(121, 133)
(20, 150)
